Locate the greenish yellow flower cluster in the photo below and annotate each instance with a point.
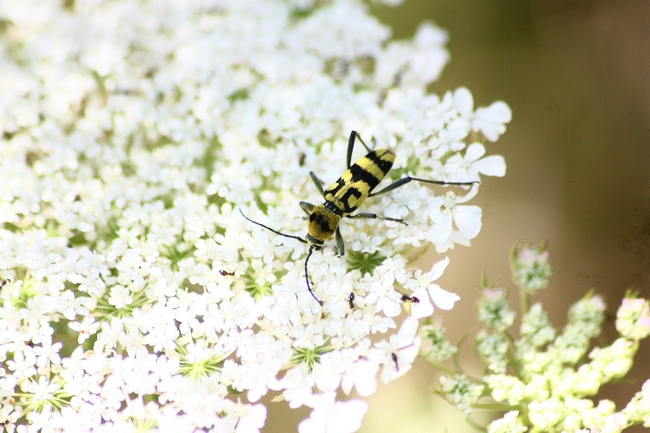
(545, 380)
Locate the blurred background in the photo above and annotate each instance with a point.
(577, 77)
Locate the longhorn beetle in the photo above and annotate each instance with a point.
(345, 196)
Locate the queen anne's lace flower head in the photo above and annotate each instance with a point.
(132, 133)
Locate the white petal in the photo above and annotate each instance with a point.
(313, 424)
(391, 308)
(388, 373)
(468, 220)
(474, 152)
(457, 237)
(440, 230)
(367, 384)
(347, 416)
(493, 165)
(444, 300)
(444, 246)
(330, 416)
(363, 377)
(407, 332)
(500, 112)
(429, 35)
(438, 268)
(256, 393)
(491, 121)
(422, 308)
(463, 101)
(408, 354)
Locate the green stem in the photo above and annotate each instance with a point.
(525, 301)
(474, 425)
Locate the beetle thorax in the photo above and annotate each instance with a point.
(321, 226)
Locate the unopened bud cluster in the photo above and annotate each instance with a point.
(545, 379)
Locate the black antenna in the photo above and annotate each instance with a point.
(274, 231)
(307, 277)
(311, 249)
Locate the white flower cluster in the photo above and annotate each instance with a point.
(543, 381)
(131, 133)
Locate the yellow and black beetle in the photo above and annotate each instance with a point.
(344, 196)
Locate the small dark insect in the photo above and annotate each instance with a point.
(3, 282)
(301, 160)
(226, 273)
(407, 298)
(351, 300)
(394, 358)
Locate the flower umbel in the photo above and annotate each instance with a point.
(131, 135)
(543, 380)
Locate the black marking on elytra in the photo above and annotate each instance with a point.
(384, 165)
(345, 199)
(330, 193)
(360, 174)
